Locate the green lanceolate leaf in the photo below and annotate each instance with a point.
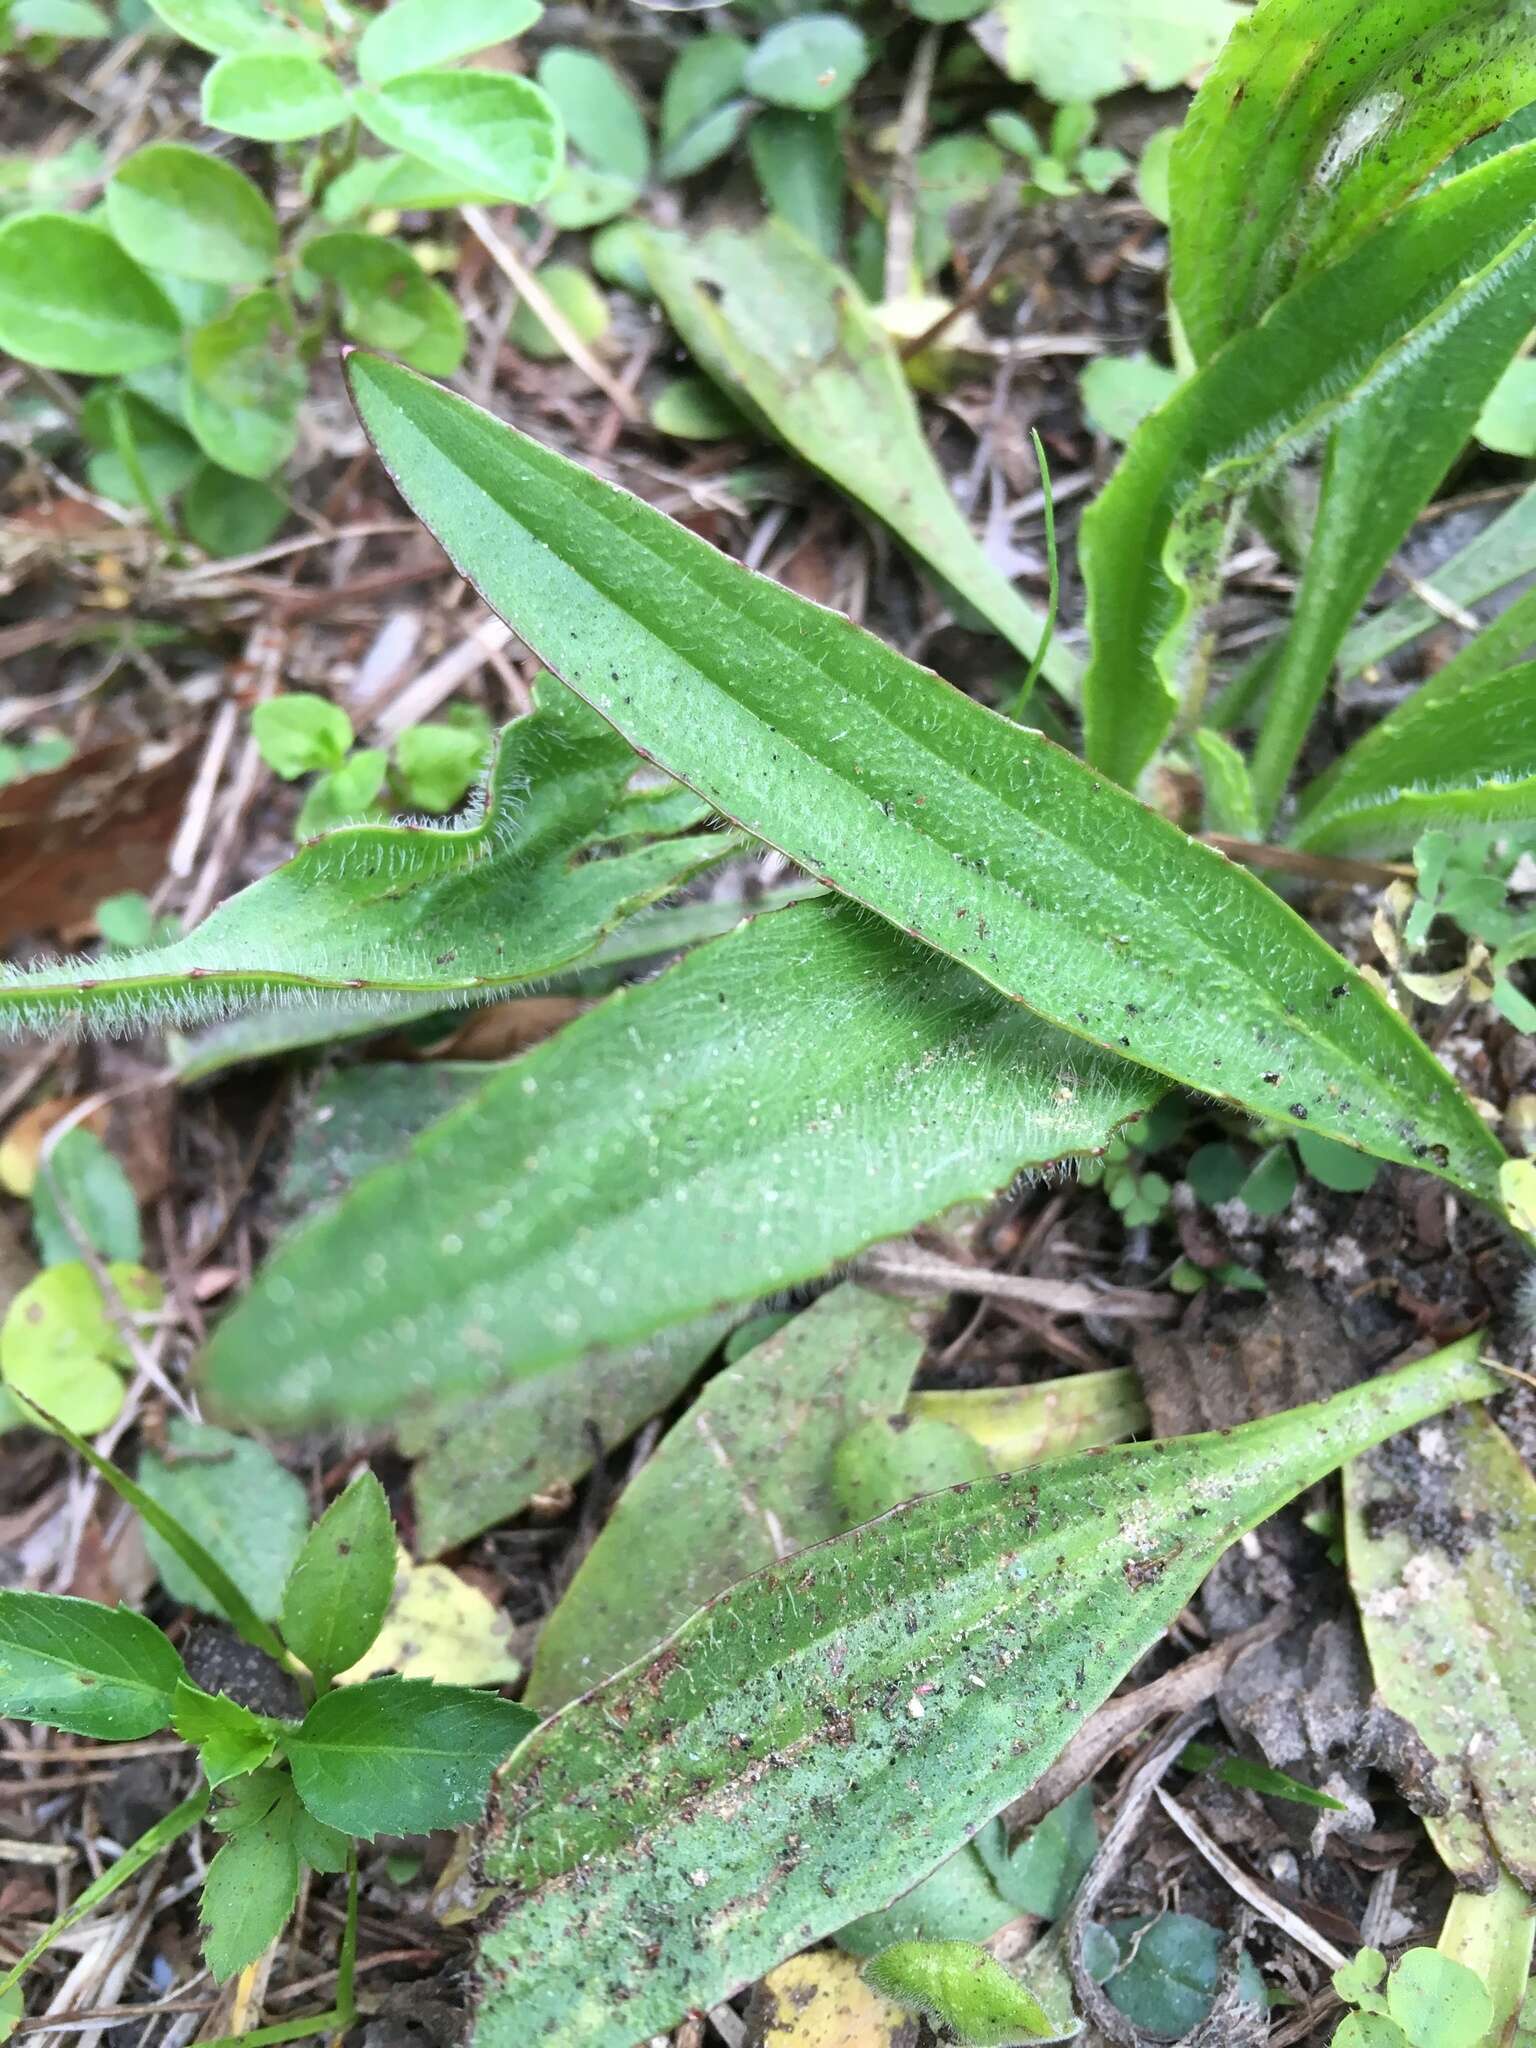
(188, 213)
(1349, 338)
(833, 1727)
(1464, 757)
(609, 1184)
(1384, 463)
(1451, 1629)
(101, 1671)
(982, 839)
(451, 911)
(744, 1478)
(788, 337)
(495, 131)
(254, 1880)
(1315, 122)
(341, 1580)
(71, 299)
(397, 1756)
(232, 1740)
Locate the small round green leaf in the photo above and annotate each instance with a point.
(1438, 2002)
(245, 384)
(601, 117)
(341, 1580)
(496, 131)
(1337, 1166)
(438, 765)
(60, 1348)
(273, 96)
(180, 210)
(415, 35)
(577, 297)
(300, 734)
(708, 72)
(694, 409)
(230, 515)
(226, 28)
(585, 198)
(810, 62)
(71, 299)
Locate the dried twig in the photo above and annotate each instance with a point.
(1249, 1889)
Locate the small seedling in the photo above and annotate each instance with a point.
(434, 767)
(1429, 2001)
(393, 1755)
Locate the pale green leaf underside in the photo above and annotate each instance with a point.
(1461, 758)
(454, 912)
(787, 335)
(610, 1183)
(980, 838)
(831, 1728)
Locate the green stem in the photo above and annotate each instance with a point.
(127, 451)
(227, 1595)
(133, 1859)
(1053, 574)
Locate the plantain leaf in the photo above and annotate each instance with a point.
(609, 1184)
(1444, 1590)
(980, 838)
(788, 337)
(832, 1727)
(457, 911)
(744, 1479)
(1440, 276)
(1443, 757)
(1314, 123)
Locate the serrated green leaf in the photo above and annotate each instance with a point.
(232, 1740)
(82, 1182)
(1451, 1631)
(415, 35)
(1315, 123)
(397, 1756)
(451, 911)
(494, 130)
(872, 1086)
(1350, 341)
(788, 337)
(71, 299)
(341, 1580)
(227, 28)
(600, 114)
(99, 1671)
(181, 210)
(273, 96)
(1087, 52)
(1443, 757)
(876, 1698)
(745, 1477)
(254, 1880)
(245, 384)
(237, 1501)
(981, 838)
